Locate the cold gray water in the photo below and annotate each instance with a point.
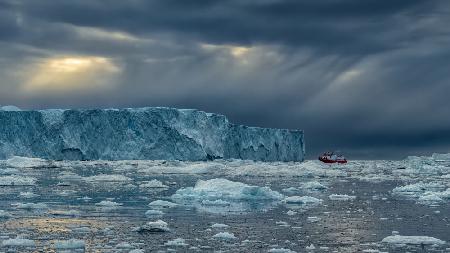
(226, 206)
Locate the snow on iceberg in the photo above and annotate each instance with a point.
(416, 240)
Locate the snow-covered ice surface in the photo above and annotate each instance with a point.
(224, 205)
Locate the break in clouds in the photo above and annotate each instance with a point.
(369, 78)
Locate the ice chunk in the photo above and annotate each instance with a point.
(18, 242)
(178, 242)
(70, 244)
(154, 213)
(4, 214)
(306, 200)
(417, 240)
(153, 184)
(217, 202)
(162, 204)
(25, 162)
(314, 186)
(17, 180)
(223, 189)
(28, 195)
(107, 203)
(31, 205)
(281, 250)
(107, 178)
(155, 227)
(219, 225)
(224, 236)
(342, 197)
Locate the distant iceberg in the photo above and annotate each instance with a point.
(152, 133)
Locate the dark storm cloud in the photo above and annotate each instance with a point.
(367, 77)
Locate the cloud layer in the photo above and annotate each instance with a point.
(369, 78)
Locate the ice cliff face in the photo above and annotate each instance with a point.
(144, 133)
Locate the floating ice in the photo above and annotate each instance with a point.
(162, 204)
(417, 240)
(155, 227)
(314, 186)
(70, 244)
(224, 236)
(303, 200)
(217, 202)
(18, 242)
(25, 162)
(4, 214)
(153, 184)
(424, 193)
(30, 205)
(219, 225)
(178, 242)
(223, 189)
(341, 197)
(154, 213)
(28, 195)
(17, 180)
(107, 203)
(281, 250)
(107, 178)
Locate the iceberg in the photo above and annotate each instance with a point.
(152, 133)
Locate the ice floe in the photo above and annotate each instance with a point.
(18, 242)
(223, 189)
(17, 181)
(70, 244)
(162, 204)
(154, 227)
(224, 236)
(178, 242)
(341, 197)
(417, 240)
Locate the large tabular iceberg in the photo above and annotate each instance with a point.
(144, 133)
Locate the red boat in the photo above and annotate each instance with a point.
(330, 157)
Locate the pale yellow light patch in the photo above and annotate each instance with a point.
(348, 76)
(101, 34)
(238, 52)
(71, 73)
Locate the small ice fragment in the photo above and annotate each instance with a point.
(219, 225)
(162, 204)
(224, 236)
(178, 242)
(153, 184)
(155, 227)
(342, 197)
(154, 213)
(281, 250)
(18, 242)
(107, 203)
(70, 244)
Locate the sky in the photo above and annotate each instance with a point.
(368, 78)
